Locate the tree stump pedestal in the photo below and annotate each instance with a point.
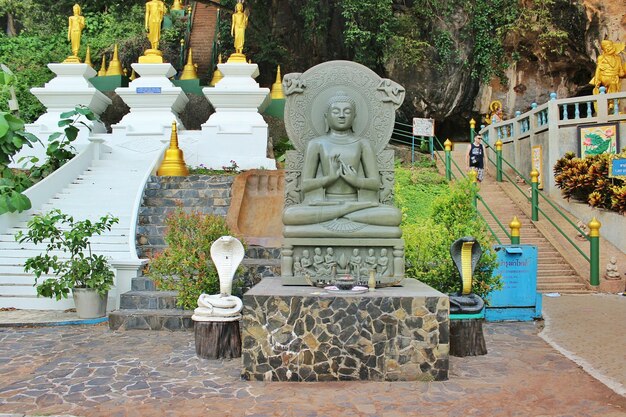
(466, 336)
(218, 339)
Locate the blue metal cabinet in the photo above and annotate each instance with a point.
(518, 300)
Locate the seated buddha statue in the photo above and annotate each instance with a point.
(340, 180)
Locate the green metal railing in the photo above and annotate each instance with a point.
(593, 237)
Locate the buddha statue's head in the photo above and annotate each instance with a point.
(341, 112)
(607, 46)
(76, 9)
(239, 7)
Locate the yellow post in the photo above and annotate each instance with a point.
(515, 226)
(534, 182)
(594, 246)
(499, 160)
(448, 147)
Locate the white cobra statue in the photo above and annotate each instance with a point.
(227, 253)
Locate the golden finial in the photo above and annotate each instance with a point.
(115, 66)
(189, 72)
(498, 145)
(103, 67)
(217, 75)
(447, 145)
(534, 175)
(594, 227)
(125, 71)
(515, 226)
(472, 124)
(277, 87)
(133, 75)
(173, 164)
(88, 57)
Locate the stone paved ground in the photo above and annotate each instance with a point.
(91, 371)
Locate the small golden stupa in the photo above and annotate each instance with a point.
(177, 5)
(217, 75)
(103, 67)
(189, 71)
(173, 164)
(88, 57)
(277, 87)
(115, 66)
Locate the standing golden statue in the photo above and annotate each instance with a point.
(155, 10)
(609, 68)
(238, 31)
(75, 28)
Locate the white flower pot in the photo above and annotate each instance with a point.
(89, 304)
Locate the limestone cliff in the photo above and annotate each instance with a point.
(446, 90)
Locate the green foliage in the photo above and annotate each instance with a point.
(587, 179)
(369, 27)
(415, 189)
(82, 268)
(429, 231)
(186, 265)
(490, 21)
(538, 18)
(59, 150)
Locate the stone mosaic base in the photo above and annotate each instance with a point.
(306, 334)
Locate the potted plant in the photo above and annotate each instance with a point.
(87, 275)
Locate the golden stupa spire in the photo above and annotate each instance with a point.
(88, 57)
(133, 75)
(103, 67)
(277, 87)
(173, 164)
(115, 66)
(177, 5)
(217, 75)
(189, 72)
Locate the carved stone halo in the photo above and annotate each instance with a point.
(307, 96)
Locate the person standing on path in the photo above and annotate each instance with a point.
(475, 157)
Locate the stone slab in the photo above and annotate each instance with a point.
(294, 333)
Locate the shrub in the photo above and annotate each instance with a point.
(186, 266)
(428, 241)
(587, 180)
(82, 268)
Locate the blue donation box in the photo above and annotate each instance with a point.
(518, 300)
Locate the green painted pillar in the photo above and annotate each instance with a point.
(472, 124)
(448, 147)
(534, 180)
(515, 226)
(594, 244)
(499, 160)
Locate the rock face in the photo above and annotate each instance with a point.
(447, 92)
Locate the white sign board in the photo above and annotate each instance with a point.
(423, 127)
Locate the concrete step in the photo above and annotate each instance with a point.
(32, 302)
(148, 300)
(173, 319)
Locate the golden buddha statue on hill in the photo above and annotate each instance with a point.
(75, 28)
(238, 32)
(609, 68)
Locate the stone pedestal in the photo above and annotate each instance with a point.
(70, 88)
(307, 334)
(153, 100)
(236, 131)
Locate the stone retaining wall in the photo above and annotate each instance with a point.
(307, 334)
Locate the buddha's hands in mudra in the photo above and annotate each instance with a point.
(349, 174)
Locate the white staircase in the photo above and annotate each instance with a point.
(111, 184)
